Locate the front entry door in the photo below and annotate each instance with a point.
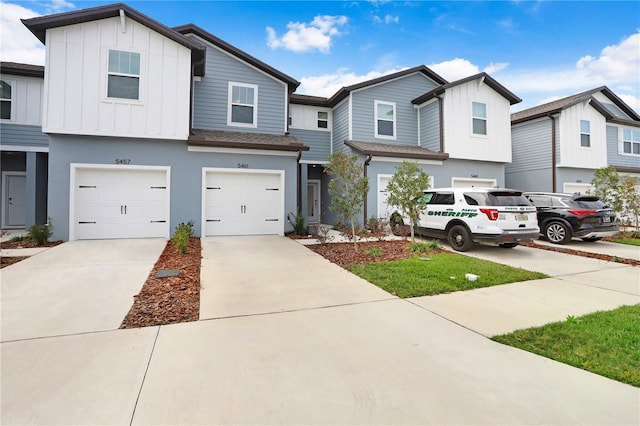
(14, 200)
(313, 201)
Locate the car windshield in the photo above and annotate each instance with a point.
(496, 198)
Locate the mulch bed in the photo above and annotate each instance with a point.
(7, 261)
(344, 254)
(169, 300)
(27, 244)
(574, 252)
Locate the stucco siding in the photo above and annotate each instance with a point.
(530, 180)
(186, 172)
(319, 144)
(211, 94)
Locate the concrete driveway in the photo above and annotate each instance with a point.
(76, 287)
(333, 351)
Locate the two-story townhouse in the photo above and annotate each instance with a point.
(150, 126)
(412, 115)
(557, 146)
(24, 148)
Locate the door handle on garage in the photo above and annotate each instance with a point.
(123, 209)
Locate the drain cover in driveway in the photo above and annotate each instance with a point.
(166, 273)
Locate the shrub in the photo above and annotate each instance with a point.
(181, 236)
(374, 252)
(419, 247)
(40, 234)
(378, 227)
(324, 235)
(299, 228)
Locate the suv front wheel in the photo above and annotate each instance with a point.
(460, 238)
(557, 232)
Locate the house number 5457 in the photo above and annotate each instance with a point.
(123, 161)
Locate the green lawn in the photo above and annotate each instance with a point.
(628, 241)
(443, 273)
(605, 343)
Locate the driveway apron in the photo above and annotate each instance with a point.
(265, 274)
(76, 287)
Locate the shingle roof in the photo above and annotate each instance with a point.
(15, 68)
(556, 106)
(401, 151)
(308, 100)
(194, 29)
(39, 26)
(487, 79)
(245, 140)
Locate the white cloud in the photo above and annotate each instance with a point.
(388, 19)
(18, 44)
(327, 85)
(301, 37)
(57, 6)
(455, 69)
(497, 67)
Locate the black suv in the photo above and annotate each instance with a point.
(564, 216)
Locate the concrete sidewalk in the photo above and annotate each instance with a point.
(602, 247)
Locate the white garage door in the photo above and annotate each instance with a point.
(120, 203)
(571, 187)
(384, 209)
(472, 183)
(243, 202)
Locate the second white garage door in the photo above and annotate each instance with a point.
(243, 202)
(119, 202)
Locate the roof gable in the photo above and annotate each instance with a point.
(205, 35)
(486, 79)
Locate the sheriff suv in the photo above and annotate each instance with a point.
(465, 216)
(564, 216)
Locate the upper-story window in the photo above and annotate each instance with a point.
(124, 75)
(242, 109)
(6, 99)
(631, 141)
(385, 119)
(585, 133)
(323, 120)
(479, 118)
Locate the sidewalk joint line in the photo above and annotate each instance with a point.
(144, 377)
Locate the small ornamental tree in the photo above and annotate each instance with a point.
(630, 193)
(621, 193)
(405, 188)
(347, 188)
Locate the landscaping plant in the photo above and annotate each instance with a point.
(347, 188)
(181, 236)
(40, 234)
(405, 189)
(621, 193)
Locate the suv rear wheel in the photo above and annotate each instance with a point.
(557, 232)
(459, 238)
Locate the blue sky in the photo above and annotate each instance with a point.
(540, 50)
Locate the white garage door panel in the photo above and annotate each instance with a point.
(473, 183)
(121, 203)
(243, 203)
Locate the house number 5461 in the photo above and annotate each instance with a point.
(243, 166)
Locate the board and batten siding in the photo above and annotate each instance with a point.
(211, 94)
(26, 99)
(319, 144)
(571, 153)
(24, 137)
(615, 154)
(531, 143)
(430, 126)
(75, 100)
(340, 131)
(460, 142)
(399, 91)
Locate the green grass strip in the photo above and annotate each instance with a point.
(628, 241)
(443, 273)
(605, 343)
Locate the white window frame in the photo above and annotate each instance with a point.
(121, 74)
(587, 133)
(230, 105)
(376, 119)
(12, 100)
(632, 142)
(325, 120)
(485, 119)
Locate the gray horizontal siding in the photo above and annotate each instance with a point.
(400, 91)
(21, 135)
(430, 127)
(211, 95)
(340, 126)
(319, 144)
(531, 146)
(614, 158)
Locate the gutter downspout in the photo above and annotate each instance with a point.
(364, 208)
(553, 153)
(299, 183)
(441, 123)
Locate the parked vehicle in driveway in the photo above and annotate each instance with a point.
(564, 216)
(465, 216)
